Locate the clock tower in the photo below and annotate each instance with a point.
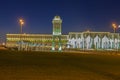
(56, 32)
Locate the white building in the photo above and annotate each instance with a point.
(94, 40)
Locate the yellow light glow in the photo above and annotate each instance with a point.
(114, 26)
(21, 21)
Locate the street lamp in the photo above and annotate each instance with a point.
(21, 25)
(21, 21)
(114, 27)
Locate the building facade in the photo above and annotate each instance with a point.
(75, 40)
(94, 40)
(33, 41)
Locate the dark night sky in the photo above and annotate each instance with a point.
(77, 15)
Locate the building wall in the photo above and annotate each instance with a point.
(94, 40)
(32, 40)
(80, 40)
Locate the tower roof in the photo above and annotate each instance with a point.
(57, 18)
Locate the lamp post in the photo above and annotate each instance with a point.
(118, 39)
(21, 25)
(114, 27)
